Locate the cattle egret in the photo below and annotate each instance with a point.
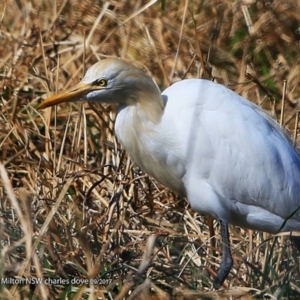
(230, 159)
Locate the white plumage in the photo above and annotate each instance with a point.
(234, 154)
(226, 155)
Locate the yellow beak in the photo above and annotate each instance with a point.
(73, 94)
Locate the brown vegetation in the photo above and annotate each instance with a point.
(73, 205)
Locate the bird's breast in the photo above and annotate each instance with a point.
(163, 165)
(151, 150)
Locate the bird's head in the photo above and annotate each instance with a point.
(109, 81)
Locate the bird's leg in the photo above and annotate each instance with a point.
(226, 261)
(296, 242)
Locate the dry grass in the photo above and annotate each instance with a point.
(73, 206)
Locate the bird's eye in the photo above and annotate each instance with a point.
(100, 82)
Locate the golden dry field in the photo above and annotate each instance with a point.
(78, 220)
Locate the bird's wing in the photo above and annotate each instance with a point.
(233, 146)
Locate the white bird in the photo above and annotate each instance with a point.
(230, 159)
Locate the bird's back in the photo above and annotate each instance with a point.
(239, 164)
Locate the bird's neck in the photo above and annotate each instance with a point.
(148, 109)
(138, 119)
(137, 128)
(141, 133)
